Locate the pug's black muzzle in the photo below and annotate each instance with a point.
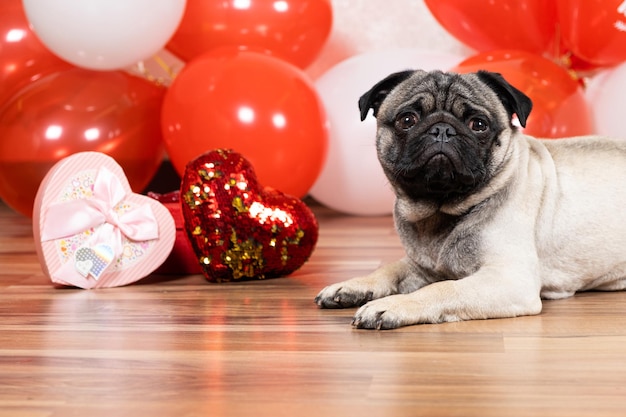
(438, 162)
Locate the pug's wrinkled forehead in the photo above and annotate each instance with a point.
(458, 94)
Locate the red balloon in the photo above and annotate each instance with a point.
(594, 30)
(260, 106)
(559, 105)
(23, 58)
(484, 25)
(73, 111)
(293, 30)
(575, 63)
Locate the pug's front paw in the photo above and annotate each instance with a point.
(343, 295)
(384, 314)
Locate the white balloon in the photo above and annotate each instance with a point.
(352, 180)
(605, 94)
(104, 34)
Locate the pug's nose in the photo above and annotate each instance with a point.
(442, 132)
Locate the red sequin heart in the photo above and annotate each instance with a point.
(238, 229)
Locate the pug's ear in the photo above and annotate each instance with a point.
(375, 96)
(514, 100)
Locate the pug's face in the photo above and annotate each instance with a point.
(441, 136)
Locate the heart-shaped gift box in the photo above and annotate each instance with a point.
(92, 231)
(238, 229)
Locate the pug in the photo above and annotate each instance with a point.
(492, 220)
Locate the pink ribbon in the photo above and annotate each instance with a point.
(68, 218)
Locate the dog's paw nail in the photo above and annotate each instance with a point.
(379, 320)
(321, 301)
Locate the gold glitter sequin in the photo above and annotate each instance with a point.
(239, 205)
(245, 259)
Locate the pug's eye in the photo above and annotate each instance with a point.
(478, 124)
(406, 120)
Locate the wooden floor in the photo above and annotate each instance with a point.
(183, 347)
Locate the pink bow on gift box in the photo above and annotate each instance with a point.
(101, 213)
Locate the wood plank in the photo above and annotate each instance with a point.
(182, 346)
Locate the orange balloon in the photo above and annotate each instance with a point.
(73, 111)
(559, 105)
(293, 30)
(594, 30)
(260, 106)
(23, 58)
(484, 25)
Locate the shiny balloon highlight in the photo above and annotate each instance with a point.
(73, 111)
(260, 106)
(293, 30)
(484, 25)
(23, 58)
(104, 34)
